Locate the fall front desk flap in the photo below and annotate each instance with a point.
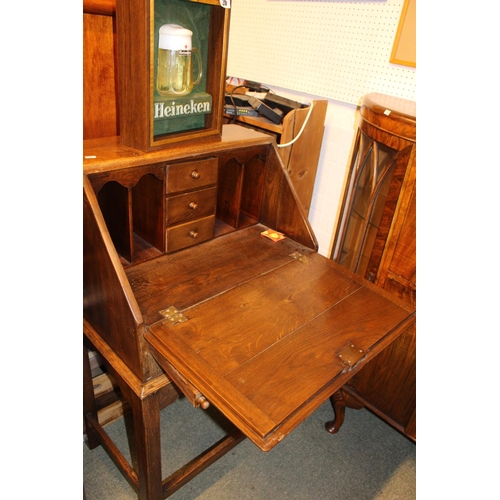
(267, 347)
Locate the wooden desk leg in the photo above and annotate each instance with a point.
(340, 400)
(147, 434)
(147, 444)
(89, 404)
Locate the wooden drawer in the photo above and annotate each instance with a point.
(190, 233)
(191, 175)
(190, 206)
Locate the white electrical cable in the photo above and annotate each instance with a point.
(300, 131)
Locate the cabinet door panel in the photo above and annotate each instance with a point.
(389, 381)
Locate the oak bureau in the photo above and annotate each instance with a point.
(184, 294)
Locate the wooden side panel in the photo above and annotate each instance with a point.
(133, 59)
(399, 267)
(253, 181)
(114, 201)
(301, 158)
(229, 191)
(393, 368)
(109, 304)
(100, 111)
(281, 208)
(148, 215)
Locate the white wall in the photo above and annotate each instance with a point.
(339, 49)
(355, 26)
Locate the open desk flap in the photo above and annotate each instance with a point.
(270, 350)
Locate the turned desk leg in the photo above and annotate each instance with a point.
(340, 400)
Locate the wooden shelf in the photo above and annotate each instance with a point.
(302, 157)
(260, 122)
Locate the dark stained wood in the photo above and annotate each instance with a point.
(240, 188)
(302, 155)
(389, 210)
(102, 7)
(229, 191)
(180, 279)
(127, 177)
(273, 328)
(190, 233)
(284, 206)
(252, 189)
(114, 201)
(100, 108)
(394, 368)
(114, 322)
(398, 274)
(340, 400)
(200, 463)
(134, 79)
(108, 156)
(192, 205)
(301, 159)
(268, 336)
(149, 222)
(191, 175)
(89, 401)
(106, 287)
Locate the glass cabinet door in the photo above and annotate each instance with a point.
(370, 178)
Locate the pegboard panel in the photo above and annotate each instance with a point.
(336, 49)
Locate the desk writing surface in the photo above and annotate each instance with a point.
(262, 343)
(186, 278)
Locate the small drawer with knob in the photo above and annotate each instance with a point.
(191, 175)
(190, 233)
(191, 205)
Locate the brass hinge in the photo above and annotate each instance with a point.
(298, 256)
(173, 315)
(350, 354)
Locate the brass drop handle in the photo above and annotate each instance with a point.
(193, 205)
(193, 234)
(195, 174)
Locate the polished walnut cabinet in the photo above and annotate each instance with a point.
(376, 238)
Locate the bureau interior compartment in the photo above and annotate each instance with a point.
(145, 207)
(240, 190)
(130, 209)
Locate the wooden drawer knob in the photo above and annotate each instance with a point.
(193, 205)
(195, 174)
(202, 401)
(193, 234)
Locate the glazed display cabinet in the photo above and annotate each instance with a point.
(376, 238)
